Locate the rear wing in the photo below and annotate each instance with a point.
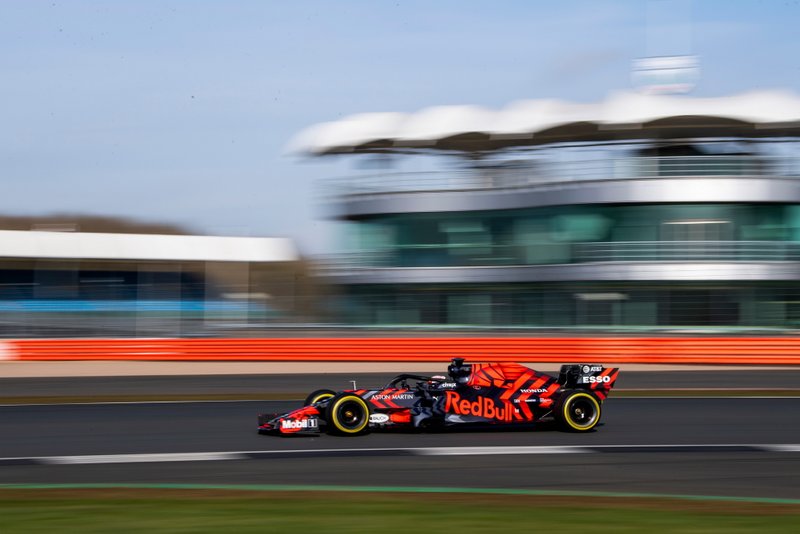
(588, 376)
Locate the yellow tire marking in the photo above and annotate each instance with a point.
(320, 397)
(335, 418)
(568, 419)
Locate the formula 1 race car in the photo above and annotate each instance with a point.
(479, 393)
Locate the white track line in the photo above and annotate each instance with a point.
(498, 451)
(782, 448)
(141, 458)
(419, 451)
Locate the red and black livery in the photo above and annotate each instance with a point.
(470, 394)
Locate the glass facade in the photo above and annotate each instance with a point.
(618, 306)
(748, 228)
(579, 234)
(47, 298)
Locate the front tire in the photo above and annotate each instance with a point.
(347, 414)
(578, 411)
(318, 395)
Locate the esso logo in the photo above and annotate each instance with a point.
(596, 379)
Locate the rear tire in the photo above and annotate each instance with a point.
(347, 414)
(318, 395)
(578, 411)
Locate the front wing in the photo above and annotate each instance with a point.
(304, 421)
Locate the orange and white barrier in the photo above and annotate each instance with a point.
(607, 350)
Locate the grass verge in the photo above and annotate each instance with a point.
(123, 510)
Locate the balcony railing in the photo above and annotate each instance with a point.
(687, 251)
(536, 172)
(566, 253)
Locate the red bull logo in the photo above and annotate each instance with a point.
(480, 407)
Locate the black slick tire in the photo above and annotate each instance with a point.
(347, 415)
(578, 411)
(318, 395)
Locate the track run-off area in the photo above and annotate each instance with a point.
(712, 446)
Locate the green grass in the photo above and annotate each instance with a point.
(185, 510)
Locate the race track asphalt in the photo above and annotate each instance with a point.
(105, 429)
(301, 384)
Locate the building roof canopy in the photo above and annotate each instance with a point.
(143, 247)
(622, 116)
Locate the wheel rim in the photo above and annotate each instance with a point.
(350, 415)
(583, 412)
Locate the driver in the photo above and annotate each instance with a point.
(434, 381)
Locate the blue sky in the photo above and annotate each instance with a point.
(180, 111)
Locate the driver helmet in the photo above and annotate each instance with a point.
(462, 378)
(459, 371)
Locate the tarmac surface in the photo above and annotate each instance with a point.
(697, 446)
(727, 446)
(297, 385)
